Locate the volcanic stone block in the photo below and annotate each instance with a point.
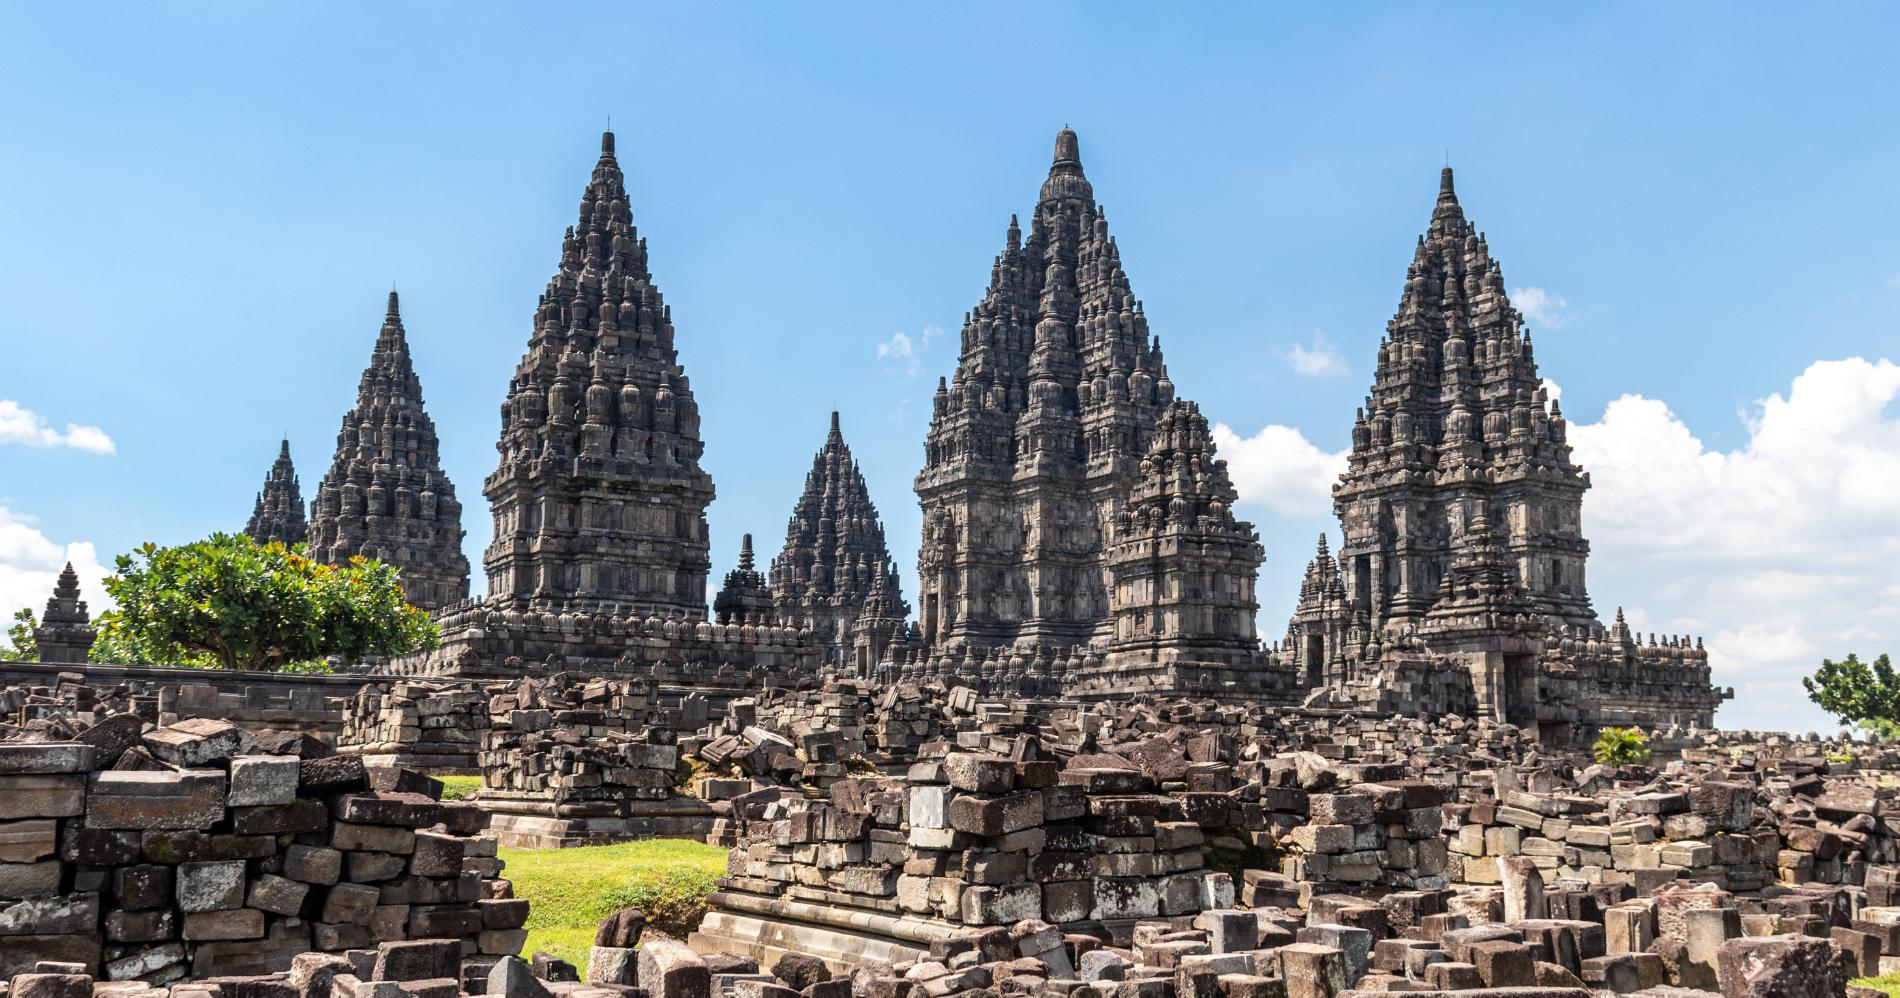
(277, 894)
(977, 773)
(145, 887)
(280, 819)
(238, 923)
(155, 799)
(985, 905)
(313, 864)
(29, 879)
(1784, 966)
(375, 838)
(50, 986)
(1311, 970)
(669, 970)
(1504, 964)
(198, 741)
(613, 965)
(29, 840)
(416, 960)
(1340, 809)
(1136, 897)
(211, 886)
(23, 758)
(258, 780)
(331, 775)
(349, 903)
(511, 977)
(998, 815)
(145, 962)
(37, 796)
(399, 809)
(436, 855)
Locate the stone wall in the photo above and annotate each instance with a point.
(196, 850)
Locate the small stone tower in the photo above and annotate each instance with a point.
(65, 634)
(834, 552)
(279, 515)
(385, 496)
(744, 599)
(1181, 572)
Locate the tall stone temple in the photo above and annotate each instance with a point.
(600, 554)
(1460, 584)
(385, 496)
(1036, 444)
(278, 515)
(834, 552)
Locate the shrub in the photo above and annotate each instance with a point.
(1621, 747)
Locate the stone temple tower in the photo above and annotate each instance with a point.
(278, 515)
(1181, 573)
(599, 500)
(1460, 584)
(834, 551)
(1039, 434)
(385, 496)
(1458, 419)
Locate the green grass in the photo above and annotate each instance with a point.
(570, 890)
(459, 787)
(1890, 983)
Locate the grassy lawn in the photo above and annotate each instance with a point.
(571, 890)
(459, 787)
(1890, 983)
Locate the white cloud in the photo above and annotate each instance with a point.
(30, 563)
(899, 354)
(1321, 360)
(1780, 549)
(1280, 469)
(20, 425)
(1541, 307)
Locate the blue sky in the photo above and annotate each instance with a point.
(203, 212)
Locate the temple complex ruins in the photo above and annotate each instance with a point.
(1079, 532)
(1078, 773)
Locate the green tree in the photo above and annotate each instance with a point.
(23, 646)
(1621, 747)
(229, 602)
(1862, 693)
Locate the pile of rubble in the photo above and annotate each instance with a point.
(152, 853)
(882, 866)
(432, 727)
(568, 763)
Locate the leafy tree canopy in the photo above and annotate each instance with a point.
(229, 602)
(22, 646)
(1863, 693)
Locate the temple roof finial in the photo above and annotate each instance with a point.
(1068, 149)
(607, 143)
(1445, 190)
(395, 309)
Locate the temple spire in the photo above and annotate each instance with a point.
(834, 549)
(279, 514)
(385, 495)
